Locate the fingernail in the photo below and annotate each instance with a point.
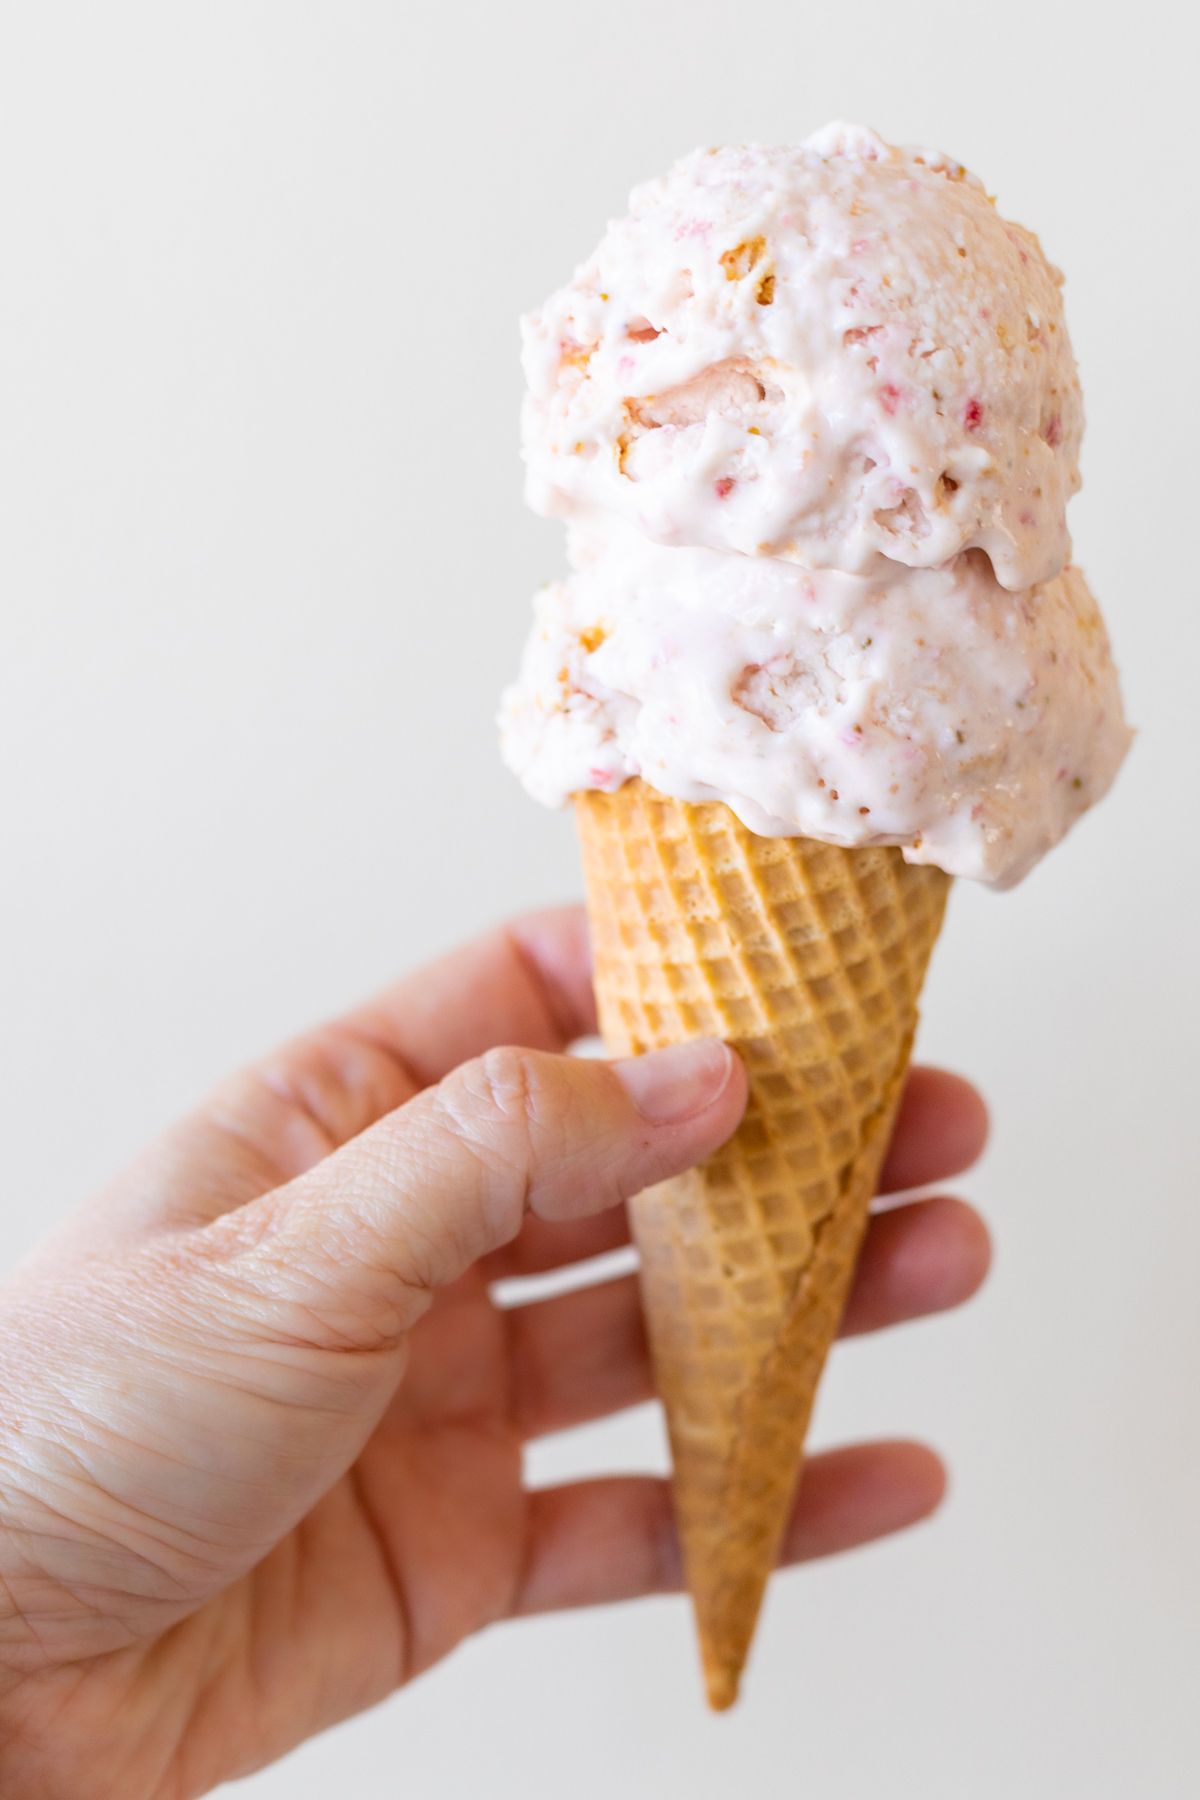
(671, 1085)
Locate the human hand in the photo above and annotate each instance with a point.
(260, 1459)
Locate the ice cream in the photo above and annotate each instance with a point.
(825, 353)
(812, 417)
(928, 708)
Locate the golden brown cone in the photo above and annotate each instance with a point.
(809, 959)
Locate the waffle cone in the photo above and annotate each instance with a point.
(809, 959)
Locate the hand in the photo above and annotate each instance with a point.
(260, 1459)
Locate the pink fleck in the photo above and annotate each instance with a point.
(1052, 431)
(860, 246)
(601, 778)
(853, 740)
(724, 486)
(889, 397)
(692, 228)
(625, 365)
(973, 414)
(1027, 518)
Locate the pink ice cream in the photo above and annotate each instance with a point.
(824, 353)
(812, 417)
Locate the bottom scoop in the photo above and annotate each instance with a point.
(927, 708)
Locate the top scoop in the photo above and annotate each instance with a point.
(826, 352)
(812, 418)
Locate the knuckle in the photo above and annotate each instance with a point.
(505, 1110)
(333, 1083)
(510, 1085)
(498, 1105)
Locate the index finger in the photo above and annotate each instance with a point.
(528, 982)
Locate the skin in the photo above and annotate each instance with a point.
(261, 1422)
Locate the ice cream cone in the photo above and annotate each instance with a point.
(809, 959)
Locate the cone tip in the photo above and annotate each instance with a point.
(722, 1687)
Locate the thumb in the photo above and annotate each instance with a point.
(348, 1255)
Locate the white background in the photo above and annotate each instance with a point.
(263, 566)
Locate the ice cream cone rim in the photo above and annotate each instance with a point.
(784, 948)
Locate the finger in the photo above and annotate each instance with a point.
(578, 1356)
(941, 1129)
(348, 1256)
(583, 1355)
(922, 1258)
(862, 1492)
(542, 1245)
(527, 983)
(614, 1539)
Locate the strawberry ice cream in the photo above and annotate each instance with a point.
(812, 418)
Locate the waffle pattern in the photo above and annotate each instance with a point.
(809, 959)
